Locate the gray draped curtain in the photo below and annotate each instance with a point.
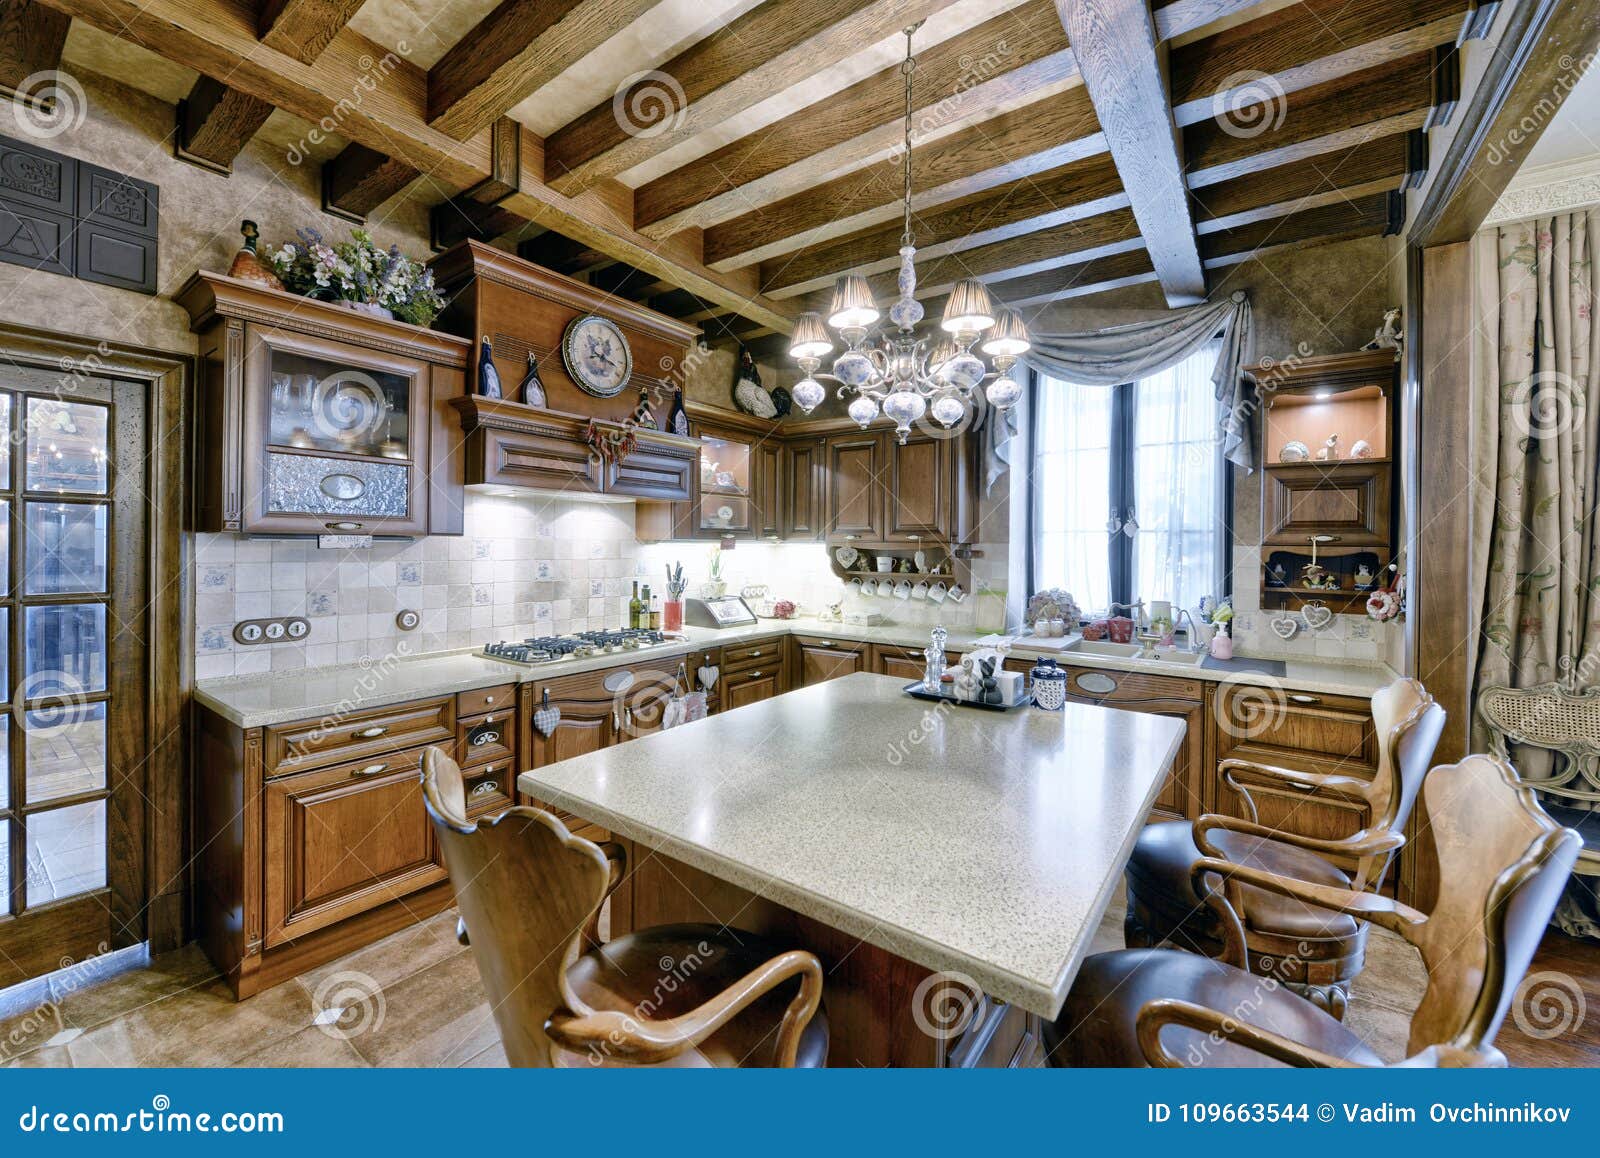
(1120, 354)
(1536, 476)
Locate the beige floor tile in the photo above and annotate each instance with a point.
(493, 1058)
(437, 1017)
(202, 1026)
(312, 1048)
(397, 956)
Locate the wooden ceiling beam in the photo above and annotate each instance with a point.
(1303, 45)
(1123, 70)
(1340, 114)
(31, 39)
(1330, 179)
(303, 28)
(1082, 189)
(219, 37)
(1016, 57)
(513, 52)
(765, 51)
(215, 122)
(360, 179)
(555, 251)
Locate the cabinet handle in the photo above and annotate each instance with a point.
(486, 788)
(755, 655)
(825, 642)
(371, 733)
(488, 699)
(616, 718)
(628, 712)
(344, 526)
(1304, 699)
(369, 770)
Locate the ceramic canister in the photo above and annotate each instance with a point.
(1049, 686)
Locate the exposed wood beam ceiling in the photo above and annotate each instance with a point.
(1122, 70)
(31, 39)
(1058, 144)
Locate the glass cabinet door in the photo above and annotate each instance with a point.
(337, 438)
(725, 484)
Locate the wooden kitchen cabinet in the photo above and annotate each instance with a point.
(919, 489)
(803, 490)
(753, 671)
(767, 477)
(854, 497)
(816, 659)
(1302, 730)
(905, 662)
(1347, 500)
(343, 840)
(1184, 794)
(314, 420)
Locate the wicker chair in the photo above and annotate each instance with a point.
(1565, 722)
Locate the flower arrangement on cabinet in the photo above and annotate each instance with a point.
(358, 274)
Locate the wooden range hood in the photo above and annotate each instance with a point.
(523, 308)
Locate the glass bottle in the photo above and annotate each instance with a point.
(644, 608)
(655, 613)
(633, 606)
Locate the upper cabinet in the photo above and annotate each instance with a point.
(314, 419)
(882, 493)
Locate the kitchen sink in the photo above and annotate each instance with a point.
(1132, 650)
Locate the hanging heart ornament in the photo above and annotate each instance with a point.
(546, 719)
(708, 677)
(847, 557)
(1318, 615)
(1285, 627)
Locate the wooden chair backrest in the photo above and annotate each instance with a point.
(1550, 717)
(1408, 723)
(1502, 865)
(525, 888)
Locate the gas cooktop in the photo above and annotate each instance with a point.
(550, 648)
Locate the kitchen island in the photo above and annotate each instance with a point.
(948, 864)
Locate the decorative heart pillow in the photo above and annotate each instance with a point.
(546, 719)
(708, 677)
(1285, 627)
(1318, 615)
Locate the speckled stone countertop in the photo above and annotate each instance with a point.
(960, 839)
(283, 697)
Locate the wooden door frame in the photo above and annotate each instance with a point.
(167, 378)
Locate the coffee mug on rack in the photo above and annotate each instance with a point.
(957, 593)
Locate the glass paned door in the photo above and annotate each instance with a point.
(71, 656)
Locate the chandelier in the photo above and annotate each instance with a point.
(904, 374)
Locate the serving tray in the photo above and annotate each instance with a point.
(916, 690)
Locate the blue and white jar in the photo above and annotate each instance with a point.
(1049, 684)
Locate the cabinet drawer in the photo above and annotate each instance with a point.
(308, 744)
(1305, 729)
(339, 841)
(497, 698)
(762, 653)
(489, 788)
(485, 739)
(1111, 687)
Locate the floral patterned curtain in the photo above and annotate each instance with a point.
(1536, 409)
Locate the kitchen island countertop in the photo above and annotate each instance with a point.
(987, 843)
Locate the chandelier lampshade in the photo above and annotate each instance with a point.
(853, 307)
(901, 374)
(969, 310)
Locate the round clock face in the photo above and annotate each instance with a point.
(597, 355)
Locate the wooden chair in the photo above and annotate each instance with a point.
(1503, 863)
(1566, 722)
(530, 893)
(1315, 952)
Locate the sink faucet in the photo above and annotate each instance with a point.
(1193, 636)
(1136, 606)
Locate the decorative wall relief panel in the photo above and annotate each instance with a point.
(79, 220)
(303, 484)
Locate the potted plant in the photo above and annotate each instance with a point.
(358, 275)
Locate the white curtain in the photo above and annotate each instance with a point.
(1072, 490)
(1176, 552)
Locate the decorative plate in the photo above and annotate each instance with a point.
(597, 356)
(1295, 451)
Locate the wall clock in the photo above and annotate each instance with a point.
(597, 355)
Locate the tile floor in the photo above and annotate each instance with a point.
(414, 999)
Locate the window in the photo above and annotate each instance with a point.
(1128, 482)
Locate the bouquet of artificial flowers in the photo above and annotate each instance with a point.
(357, 271)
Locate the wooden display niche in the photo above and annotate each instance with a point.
(522, 307)
(250, 339)
(1343, 506)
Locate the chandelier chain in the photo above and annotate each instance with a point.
(908, 67)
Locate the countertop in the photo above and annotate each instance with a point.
(283, 697)
(960, 839)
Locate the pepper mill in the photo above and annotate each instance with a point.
(933, 671)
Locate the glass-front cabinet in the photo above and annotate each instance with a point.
(726, 482)
(342, 429)
(315, 420)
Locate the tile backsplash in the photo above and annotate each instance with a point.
(527, 565)
(1354, 638)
